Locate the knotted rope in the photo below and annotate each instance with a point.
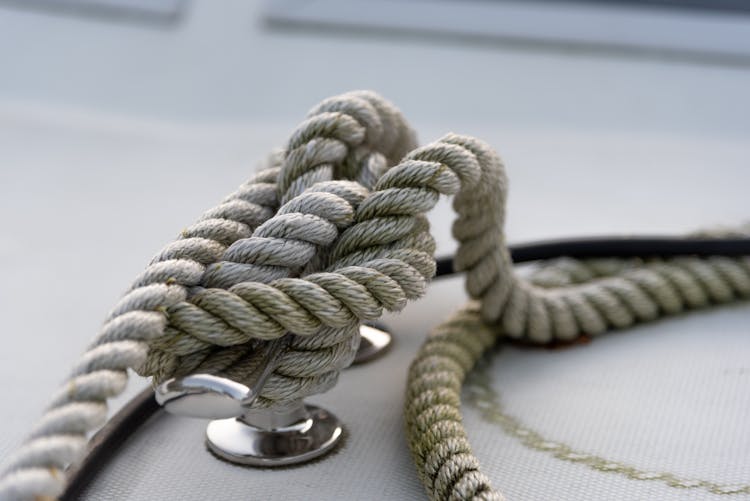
(210, 300)
(327, 236)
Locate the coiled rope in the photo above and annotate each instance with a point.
(560, 300)
(327, 236)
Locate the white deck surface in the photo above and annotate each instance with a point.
(115, 136)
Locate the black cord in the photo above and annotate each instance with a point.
(126, 422)
(618, 247)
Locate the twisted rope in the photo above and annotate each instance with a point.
(244, 308)
(311, 363)
(329, 236)
(560, 300)
(170, 323)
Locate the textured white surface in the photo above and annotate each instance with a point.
(669, 397)
(105, 133)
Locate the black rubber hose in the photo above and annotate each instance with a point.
(618, 247)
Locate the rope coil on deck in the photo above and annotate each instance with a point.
(331, 233)
(559, 301)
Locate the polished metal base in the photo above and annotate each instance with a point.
(374, 341)
(268, 438)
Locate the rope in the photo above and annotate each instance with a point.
(331, 234)
(174, 320)
(559, 300)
